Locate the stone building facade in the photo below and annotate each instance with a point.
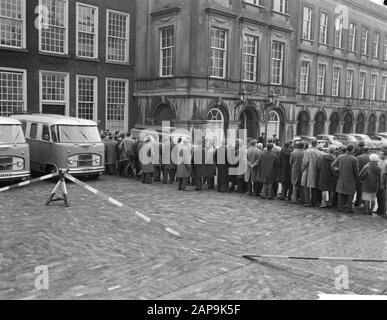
(217, 64)
(341, 67)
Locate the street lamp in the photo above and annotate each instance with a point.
(266, 114)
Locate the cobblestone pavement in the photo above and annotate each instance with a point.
(96, 251)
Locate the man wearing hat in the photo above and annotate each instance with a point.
(348, 169)
(296, 158)
(381, 194)
(364, 158)
(360, 149)
(147, 158)
(370, 179)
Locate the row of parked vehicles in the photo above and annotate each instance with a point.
(373, 141)
(45, 143)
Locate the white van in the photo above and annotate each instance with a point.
(14, 151)
(59, 142)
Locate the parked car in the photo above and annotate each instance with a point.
(347, 139)
(326, 144)
(383, 134)
(372, 144)
(307, 139)
(330, 138)
(378, 137)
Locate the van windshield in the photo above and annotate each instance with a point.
(79, 134)
(11, 134)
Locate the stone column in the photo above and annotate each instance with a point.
(366, 123)
(311, 128)
(341, 126)
(326, 127)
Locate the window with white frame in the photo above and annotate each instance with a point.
(385, 48)
(339, 33)
(86, 97)
(374, 80)
(54, 88)
(375, 45)
(116, 104)
(336, 81)
(280, 6)
(383, 89)
(218, 53)
(321, 76)
(12, 23)
(117, 38)
(307, 24)
(364, 41)
(277, 61)
(304, 76)
(87, 31)
(13, 90)
(54, 31)
(349, 83)
(167, 51)
(250, 56)
(352, 37)
(323, 36)
(362, 80)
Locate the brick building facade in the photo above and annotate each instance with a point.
(68, 57)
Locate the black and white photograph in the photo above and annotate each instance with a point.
(212, 152)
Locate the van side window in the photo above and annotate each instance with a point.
(53, 134)
(24, 126)
(33, 130)
(45, 133)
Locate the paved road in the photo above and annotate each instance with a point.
(96, 251)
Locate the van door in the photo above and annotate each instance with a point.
(44, 146)
(33, 140)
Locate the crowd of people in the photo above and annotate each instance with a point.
(299, 172)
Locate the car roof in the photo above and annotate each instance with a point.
(53, 119)
(8, 121)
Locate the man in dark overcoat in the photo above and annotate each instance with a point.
(296, 158)
(111, 156)
(210, 165)
(348, 170)
(198, 165)
(168, 167)
(222, 166)
(285, 172)
(252, 157)
(326, 177)
(184, 167)
(364, 158)
(268, 163)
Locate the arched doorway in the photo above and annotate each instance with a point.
(319, 125)
(382, 123)
(164, 113)
(215, 126)
(360, 125)
(273, 125)
(334, 126)
(249, 122)
(348, 123)
(303, 124)
(372, 124)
